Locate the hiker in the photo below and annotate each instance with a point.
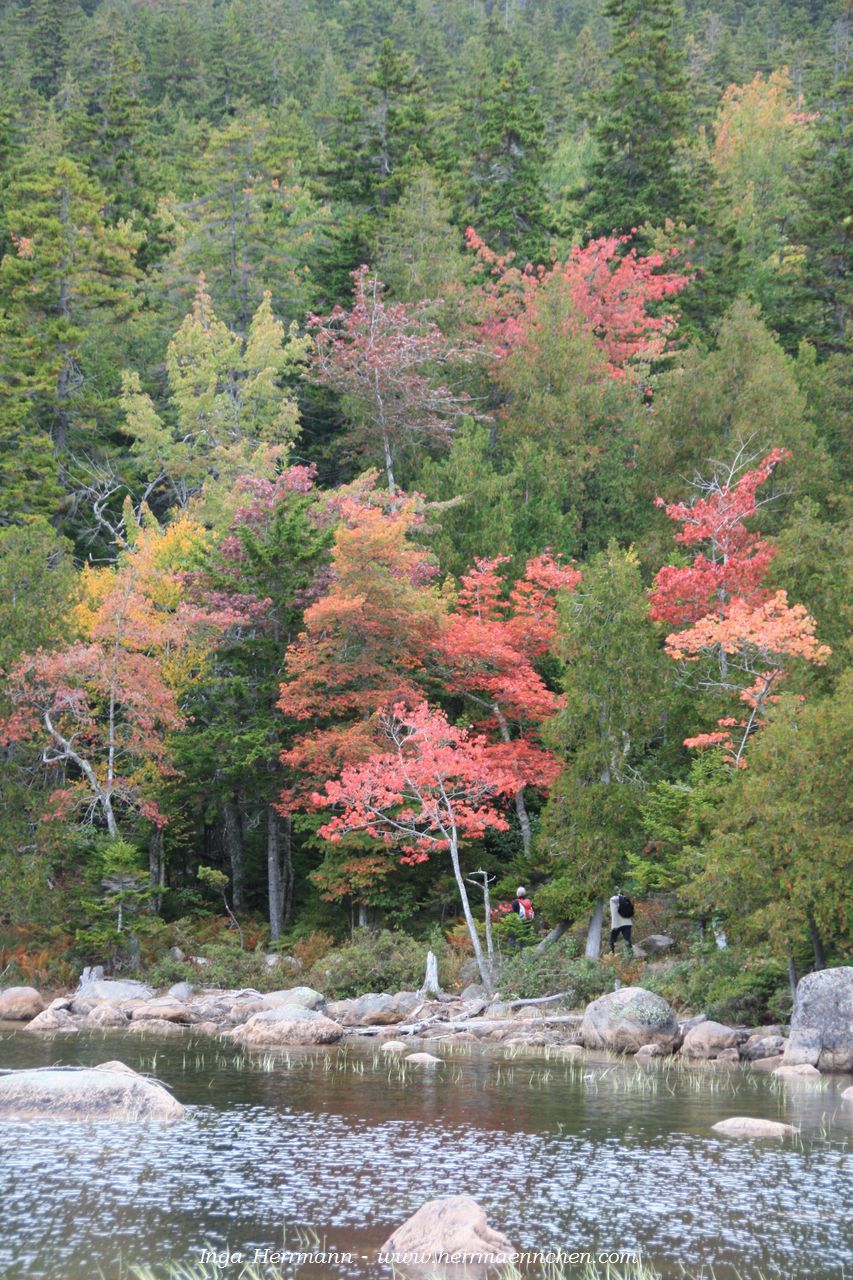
(522, 906)
(621, 923)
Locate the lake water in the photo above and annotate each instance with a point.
(580, 1154)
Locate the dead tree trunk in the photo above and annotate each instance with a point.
(274, 878)
(593, 936)
(233, 836)
(156, 867)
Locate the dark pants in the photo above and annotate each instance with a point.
(625, 931)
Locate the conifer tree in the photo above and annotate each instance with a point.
(634, 178)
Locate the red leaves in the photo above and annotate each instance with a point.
(737, 624)
(433, 785)
(610, 291)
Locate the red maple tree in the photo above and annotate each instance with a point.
(431, 788)
(381, 358)
(612, 288)
(743, 634)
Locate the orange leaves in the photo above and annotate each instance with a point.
(771, 629)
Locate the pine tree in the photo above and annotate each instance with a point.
(70, 278)
(643, 113)
(508, 205)
(50, 25)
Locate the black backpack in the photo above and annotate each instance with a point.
(626, 906)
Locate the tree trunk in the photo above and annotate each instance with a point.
(287, 871)
(389, 463)
(431, 985)
(485, 975)
(554, 936)
(817, 942)
(233, 834)
(274, 881)
(156, 867)
(520, 806)
(362, 915)
(593, 934)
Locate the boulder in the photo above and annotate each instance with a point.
(114, 989)
(822, 1021)
(627, 1019)
(110, 1092)
(19, 1004)
(454, 1225)
(422, 1059)
(181, 991)
(207, 1028)
(394, 1046)
(157, 1026)
(53, 1022)
(288, 1024)
(376, 1009)
(726, 1057)
(655, 943)
(177, 954)
(475, 992)
(847, 1095)
(306, 997)
(767, 1064)
(708, 1040)
(650, 1051)
(163, 1010)
(802, 1071)
(106, 1016)
(755, 1047)
(272, 961)
(752, 1127)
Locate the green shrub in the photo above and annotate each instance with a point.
(728, 985)
(383, 961)
(527, 975)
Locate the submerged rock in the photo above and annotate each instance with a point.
(822, 1021)
(752, 1127)
(453, 1225)
(394, 1046)
(19, 1004)
(286, 1025)
(802, 1071)
(422, 1059)
(111, 1092)
(628, 1019)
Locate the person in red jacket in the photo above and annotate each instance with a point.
(522, 906)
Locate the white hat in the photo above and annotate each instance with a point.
(520, 891)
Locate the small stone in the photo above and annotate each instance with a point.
(650, 1051)
(394, 1046)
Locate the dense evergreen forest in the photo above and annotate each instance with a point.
(422, 448)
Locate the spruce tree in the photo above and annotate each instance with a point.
(508, 206)
(634, 178)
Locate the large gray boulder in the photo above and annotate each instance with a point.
(708, 1040)
(114, 990)
(376, 1009)
(758, 1047)
(627, 1020)
(655, 943)
(106, 1017)
(19, 1004)
(163, 1010)
(454, 1225)
(822, 1021)
(306, 997)
(111, 1092)
(287, 1024)
(54, 1020)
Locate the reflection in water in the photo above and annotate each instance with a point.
(577, 1154)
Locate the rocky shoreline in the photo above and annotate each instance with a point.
(629, 1021)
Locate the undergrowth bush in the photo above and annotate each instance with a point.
(527, 975)
(382, 961)
(727, 985)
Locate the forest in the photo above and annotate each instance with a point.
(423, 450)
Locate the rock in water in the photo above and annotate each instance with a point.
(163, 1010)
(112, 1092)
(708, 1040)
(752, 1127)
(288, 1024)
(53, 1021)
(453, 1225)
(422, 1059)
(822, 1021)
(19, 1004)
(627, 1020)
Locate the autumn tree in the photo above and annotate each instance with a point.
(432, 787)
(382, 359)
(742, 635)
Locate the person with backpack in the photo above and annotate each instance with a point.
(621, 919)
(522, 906)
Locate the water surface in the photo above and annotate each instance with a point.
(583, 1154)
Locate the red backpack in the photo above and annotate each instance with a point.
(527, 908)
